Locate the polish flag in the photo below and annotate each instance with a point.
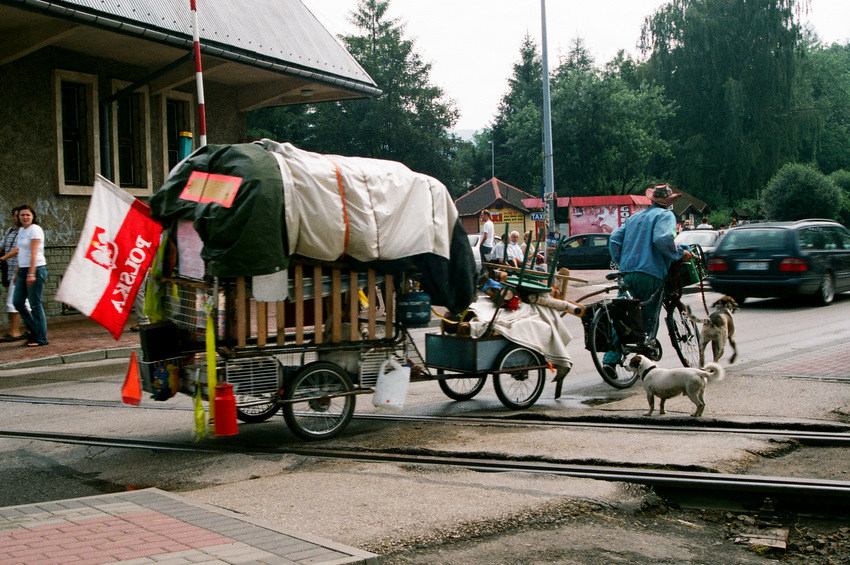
(116, 247)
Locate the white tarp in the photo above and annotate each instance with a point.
(368, 209)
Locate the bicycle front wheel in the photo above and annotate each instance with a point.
(600, 341)
(684, 335)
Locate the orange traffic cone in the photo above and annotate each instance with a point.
(131, 392)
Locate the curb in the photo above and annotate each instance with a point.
(69, 358)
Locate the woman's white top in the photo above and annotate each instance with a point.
(25, 237)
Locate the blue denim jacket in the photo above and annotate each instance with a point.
(645, 243)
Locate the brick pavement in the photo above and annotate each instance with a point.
(153, 527)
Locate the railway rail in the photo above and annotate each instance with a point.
(818, 495)
(821, 435)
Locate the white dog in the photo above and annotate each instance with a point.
(667, 383)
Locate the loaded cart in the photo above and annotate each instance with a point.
(296, 277)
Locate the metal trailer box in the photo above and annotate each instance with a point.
(452, 352)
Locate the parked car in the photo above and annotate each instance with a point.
(587, 251)
(779, 259)
(476, 251)
(706, 239)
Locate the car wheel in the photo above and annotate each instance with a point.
(826, 291)
(613, 266)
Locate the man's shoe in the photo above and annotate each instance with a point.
(610, 369)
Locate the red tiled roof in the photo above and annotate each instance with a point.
(611, 200)
(560, 202)
(493, 193)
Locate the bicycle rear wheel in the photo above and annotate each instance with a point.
(684, 335)
(599, 343)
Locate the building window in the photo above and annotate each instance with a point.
(178, 118)
(78, 155)
(131, 141)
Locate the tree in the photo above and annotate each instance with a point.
(841, 179)
(408, 122)
(732, 68)
(800, 191)
(829, 81)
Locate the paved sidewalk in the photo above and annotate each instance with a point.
(153, 526)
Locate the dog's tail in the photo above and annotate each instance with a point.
(693, 318)
(715, 371)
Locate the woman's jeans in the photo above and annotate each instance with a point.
(34, 317)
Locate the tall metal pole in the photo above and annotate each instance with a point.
(492, 159)
(548, 171)
(199, 77)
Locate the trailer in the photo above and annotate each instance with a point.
(320, 310)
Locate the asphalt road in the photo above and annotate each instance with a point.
(790, 370)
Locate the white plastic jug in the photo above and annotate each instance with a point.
(391, 387)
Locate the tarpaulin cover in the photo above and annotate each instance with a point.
(287, 202)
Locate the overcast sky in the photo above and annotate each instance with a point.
(473, 45)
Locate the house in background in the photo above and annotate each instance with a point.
(106, 87)
(689, 207)
(503, 201)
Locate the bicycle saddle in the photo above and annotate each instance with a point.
(615, 276)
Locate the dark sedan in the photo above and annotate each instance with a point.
(586, 251)
(779, 259)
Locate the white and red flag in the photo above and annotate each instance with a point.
(116, 247)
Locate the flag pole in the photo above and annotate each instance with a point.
(199, 77)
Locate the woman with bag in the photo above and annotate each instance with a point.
(31, 276)
(9, 258)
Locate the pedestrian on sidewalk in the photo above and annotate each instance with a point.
(31, 276)
(9, 257)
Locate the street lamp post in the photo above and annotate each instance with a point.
(548, 172)
(492, 160)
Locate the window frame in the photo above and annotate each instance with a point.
(181, 97)
(92, 119)
(144, 188)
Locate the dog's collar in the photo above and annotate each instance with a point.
(642, 375)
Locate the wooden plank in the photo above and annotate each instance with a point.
(317, 304)
(370, 296)
(241, 313)
(262, 323)
(336, 305)
(299, 304)
(354, 308)
(280, 315)
(389, 303)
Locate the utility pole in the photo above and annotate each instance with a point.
(548, 171)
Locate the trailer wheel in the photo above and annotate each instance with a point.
(310, 407)
(255, 409)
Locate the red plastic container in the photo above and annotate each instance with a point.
(225, 410)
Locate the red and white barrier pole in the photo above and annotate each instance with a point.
(199, 77)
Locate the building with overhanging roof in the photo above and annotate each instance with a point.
(505, 204)
(107, 86)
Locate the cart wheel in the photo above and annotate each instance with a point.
(463, 388)
(519, 389)
(316, 413)
(254, 409)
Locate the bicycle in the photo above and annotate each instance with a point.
(611, 325)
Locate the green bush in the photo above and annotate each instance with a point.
(800, 191)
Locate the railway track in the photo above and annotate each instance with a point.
(820, 435)
(822, 496)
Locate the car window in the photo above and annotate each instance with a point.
(704, 238)
(763, 239)
(842, 237)
(599, 241)
(813, 238)
(578, 242)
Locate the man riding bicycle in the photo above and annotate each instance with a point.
(644, 248)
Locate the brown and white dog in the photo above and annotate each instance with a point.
(667, 383)
(717, 329)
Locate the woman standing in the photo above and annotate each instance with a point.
(9, 252)
(31, 276)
